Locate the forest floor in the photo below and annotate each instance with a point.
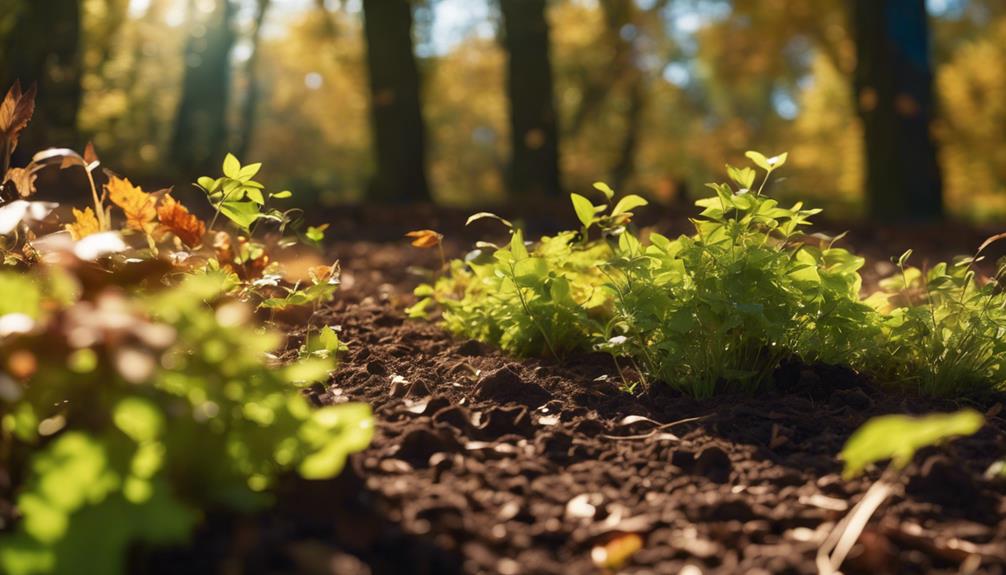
(482, 463)
(486, 464)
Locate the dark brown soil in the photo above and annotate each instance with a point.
(485, 464)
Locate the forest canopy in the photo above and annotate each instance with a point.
(650, 95)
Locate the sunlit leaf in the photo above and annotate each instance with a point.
(243, 214)
(425, 238)
(231, 167)
(177, 219)
(604, 189)
(138, 206)
(84, 223)
(584, 209)
(898, 437)
(627, 204)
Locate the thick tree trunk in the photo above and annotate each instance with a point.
(200, 133)
(396, 112)
(893, 91)
(43, 46)
(534, 164)
(250, 105)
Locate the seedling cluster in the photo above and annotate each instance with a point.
(721, 309)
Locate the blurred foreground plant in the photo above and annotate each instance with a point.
(137, 389)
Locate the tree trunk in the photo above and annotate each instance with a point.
(200, 133)
(396, 113)
(250, 106)
(534, 165)
(43, 47)
(893, 91)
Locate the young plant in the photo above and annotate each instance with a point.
(239, 197)
(891, 437)
(717, 309)
(133, 413)
(943, 329)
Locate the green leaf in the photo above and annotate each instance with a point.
(759, 159)
(325, 344)
(248, 172)
(604, 189)
(517, 247)
(243, 214)
(898, 437)
(584, 209)
(744, 177)
(316, 233)
(282, 195)
(232, 167)
(207, 183)
(254, 195)
(767, 164)
(627, 204)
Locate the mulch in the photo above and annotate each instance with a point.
(486, 464)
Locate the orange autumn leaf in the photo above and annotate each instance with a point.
(138, 205)
(85, 223)
(616, 552)
(177, 219)
(425, 238)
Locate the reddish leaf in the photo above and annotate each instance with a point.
(177, 219)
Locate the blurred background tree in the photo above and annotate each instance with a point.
(891, 108)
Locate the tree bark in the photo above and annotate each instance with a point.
(399, 133)
(534, 163)
(43, 47)
(894, 96)
(200, 132)
(250, 106)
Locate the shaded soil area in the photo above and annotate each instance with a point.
(485, 464)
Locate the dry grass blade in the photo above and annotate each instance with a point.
(839, 543)
(656, 430)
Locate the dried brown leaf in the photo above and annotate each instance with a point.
(179, 221)
(15, 112)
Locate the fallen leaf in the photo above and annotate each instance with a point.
(23, 180)
(15, 113)
(21, 211)
(179, 221)
(613, 554)
(425, 238)
(138, 206)
(99, 245)
(84, 224)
